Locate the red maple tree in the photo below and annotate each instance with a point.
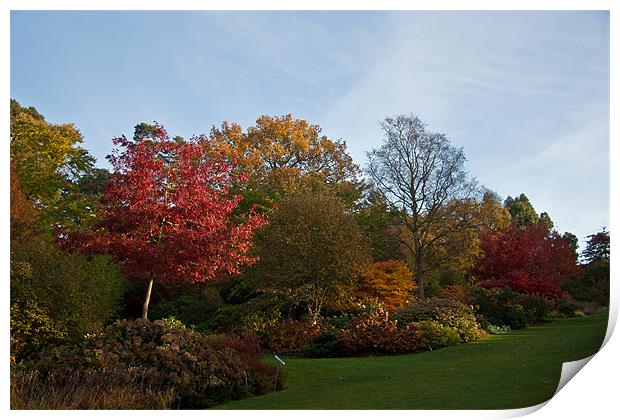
(166, 214)
(531, 260)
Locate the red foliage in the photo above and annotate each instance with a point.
(530, 260)
(166, 213)
(376, 334)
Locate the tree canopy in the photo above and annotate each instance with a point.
(165, 214)
(312, 248)
(50, 161)
(423, 175)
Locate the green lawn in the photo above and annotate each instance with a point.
(518, 369)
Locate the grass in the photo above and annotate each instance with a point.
(518, 369)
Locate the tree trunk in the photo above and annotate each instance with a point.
(147, 299)
(418, 273)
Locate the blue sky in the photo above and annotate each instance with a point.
(526, 94)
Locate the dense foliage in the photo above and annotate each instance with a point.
(312, 251)
(446, 312)
(200, 369)
(375, 334)
(166, 214)
(50, 160)
(529, 260)
(389, 283)
(504, 306)
(57, 295)
(416, 258)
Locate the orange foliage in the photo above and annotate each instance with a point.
(23, 213)
(389, 282)
(459, 293)
(283, 148)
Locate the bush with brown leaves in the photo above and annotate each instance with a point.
(201, 369)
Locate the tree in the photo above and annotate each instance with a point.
(597, 248)
(24, 217)
(545, 219)
(165, 214)
(422, 175)
(58, 295)
(279, 151)
(379, 223)
(50, 160)
(493, 215)
(593, 284)
(389, 282)
(573, 242)
(312, 249)
(521, 211)
(529, 260)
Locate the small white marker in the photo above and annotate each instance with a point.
(279, 360)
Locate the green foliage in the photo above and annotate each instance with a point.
(569, 307)
(378, 221)
(50, 161)
(446, 312)
(500, 306)
(193, 307)
(324, 345)
(573, 242)
(61, 295)
(496, 330)
(436, 335)
(504, 306)
(469, 377)
(173, 323)
(592, 285)
(32, 329)
(201, 370)
(538, 308)
(545, 219)
(253, 316)
(522, 212)
(311, 249)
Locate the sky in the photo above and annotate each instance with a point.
(526, 94)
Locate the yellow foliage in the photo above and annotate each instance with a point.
(280, 148)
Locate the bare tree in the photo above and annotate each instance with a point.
(420, 173)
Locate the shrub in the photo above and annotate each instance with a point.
(290, 336)
(592, 285)
(200, 369)
(436, 335)
(538, 308)
(459, 293)
(495, 330)
(570, 307)
(192, 307)
(501, 306)
(84, 389)
(61, 295)
(324, 345)
(377, 334)
(255, 316)
(446, 312)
